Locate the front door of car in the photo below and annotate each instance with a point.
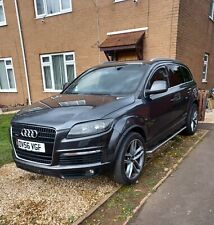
(159, 108)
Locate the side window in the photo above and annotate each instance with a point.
(186, 74)
(2, 14)
(52, 7)
(178, 75)
(7, 76)
(160, 74)
(211, 14)
(175, 75)
(57, 69)
(205, 68)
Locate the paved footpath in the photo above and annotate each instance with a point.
(187, 197)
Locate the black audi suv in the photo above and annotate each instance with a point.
(111, 117)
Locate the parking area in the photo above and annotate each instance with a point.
(27, 198)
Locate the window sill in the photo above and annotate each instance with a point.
(52, 91)
(54, 14)
(3, 24)
(8, 91)
(118, 1)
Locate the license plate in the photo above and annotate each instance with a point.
(31, 146)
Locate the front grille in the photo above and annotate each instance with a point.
(80, 159)
(46, 135)
(34, 156)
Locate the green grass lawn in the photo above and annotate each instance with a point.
(5, 147)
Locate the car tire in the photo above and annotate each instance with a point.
(130, 160)
(192, 121)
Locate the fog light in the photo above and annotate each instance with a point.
(91, 172)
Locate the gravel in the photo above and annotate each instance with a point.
(27, 198)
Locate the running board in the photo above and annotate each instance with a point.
(155, 149)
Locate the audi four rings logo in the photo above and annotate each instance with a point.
(29, 133)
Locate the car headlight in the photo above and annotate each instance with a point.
(90, 128)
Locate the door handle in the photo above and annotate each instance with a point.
(173, 100)
(177, 97)
(189, 90)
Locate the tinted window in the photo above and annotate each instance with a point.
(178, 75)
(160, 74)
(186, 74)
(115, 80)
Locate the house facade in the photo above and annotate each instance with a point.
(45, 43)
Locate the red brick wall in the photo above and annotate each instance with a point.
(195, 37)
(81, 31)
(10, 47)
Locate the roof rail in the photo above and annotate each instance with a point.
(124, 62)
(162, 59)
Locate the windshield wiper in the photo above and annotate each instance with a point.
(102, 93)
(93, 93)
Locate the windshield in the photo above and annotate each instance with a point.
(117, 80)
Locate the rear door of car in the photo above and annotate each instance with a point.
(180, 88)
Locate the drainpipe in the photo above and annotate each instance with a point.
(23, 52)
(95, 2)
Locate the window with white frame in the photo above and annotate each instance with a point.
(212, 9)
(2, 14)
(205, 68)
(7, 77)
(57, 69)
(52, 7)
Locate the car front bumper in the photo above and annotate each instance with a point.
(61, 171)
(79, 157)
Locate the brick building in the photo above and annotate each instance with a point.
(44, 43)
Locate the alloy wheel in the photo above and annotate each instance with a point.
(194, 122)
(134, 159)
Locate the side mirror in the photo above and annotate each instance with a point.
(158, 87)
(65, 85)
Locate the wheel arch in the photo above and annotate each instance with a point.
(136, 129)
